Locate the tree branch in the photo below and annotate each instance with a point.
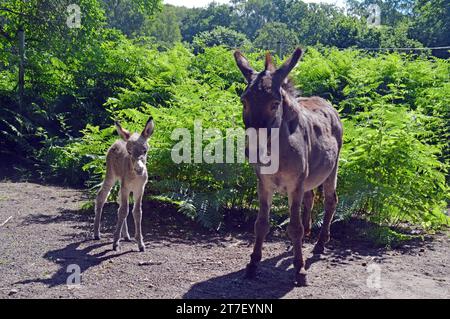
(14, 12)
(5, 35)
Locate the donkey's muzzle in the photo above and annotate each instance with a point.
(139, 168)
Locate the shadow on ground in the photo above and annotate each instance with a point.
(73, 255)
(163, 225)
(274, 280)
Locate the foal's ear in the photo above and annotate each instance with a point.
(122, 132)
(149, 128)
(282, 73)
(244, 66)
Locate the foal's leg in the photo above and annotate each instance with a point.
(125, 233)
(331, 200)
(296, 232)
(102, 196)
(308, 203)
(262, 228)
(137, 215)
(121, 215)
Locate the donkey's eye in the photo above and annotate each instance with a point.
(275, 106)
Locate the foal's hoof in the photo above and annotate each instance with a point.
(142, 249)
(116, 247)
(127, 238)
(250, 271)
(97, 237)
(300, 279)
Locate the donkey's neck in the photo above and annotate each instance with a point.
(291, 107)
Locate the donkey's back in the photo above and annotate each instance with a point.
(324, 129)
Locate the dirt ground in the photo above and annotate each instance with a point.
(48, 232)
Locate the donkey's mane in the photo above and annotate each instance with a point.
(290, 88)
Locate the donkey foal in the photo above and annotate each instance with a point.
(126, 162)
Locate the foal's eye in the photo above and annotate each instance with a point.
(275, 106)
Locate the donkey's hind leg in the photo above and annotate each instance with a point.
(102, 196)
(137, 215)
(121, 215)
(308, 203)
(125, 234)
(331, 200)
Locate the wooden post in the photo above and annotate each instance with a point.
(21, 37)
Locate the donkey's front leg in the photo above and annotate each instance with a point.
(296, 232)
(137, 214)
(262, 227)
(121, 215)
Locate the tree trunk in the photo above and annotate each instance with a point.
(21, 37)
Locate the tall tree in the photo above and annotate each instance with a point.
(164, 27)
(130, 16)
(431, 24)
(276, 37)
(392, 11)
(220, 36)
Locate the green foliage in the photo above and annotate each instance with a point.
(164, 28)
(390, 169)
(125, 66)
(386, 237)
(220, 36)
(430, 23)
(277, 37)
(387, 173)
(130, 16)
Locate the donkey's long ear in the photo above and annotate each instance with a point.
(282, 73)
(269, 63)
(122, 132)
(149, 128)
(244, 66)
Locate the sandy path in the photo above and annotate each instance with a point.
(48, 232)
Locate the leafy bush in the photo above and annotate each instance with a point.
(387, 173)
(392, 168)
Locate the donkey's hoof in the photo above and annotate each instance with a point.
(97, 237)
(116, 247)
(319, 249)
(142, 249)
(250, 271)
(300, 279)
(127, 238)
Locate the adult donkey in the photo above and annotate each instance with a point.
(310, 140)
